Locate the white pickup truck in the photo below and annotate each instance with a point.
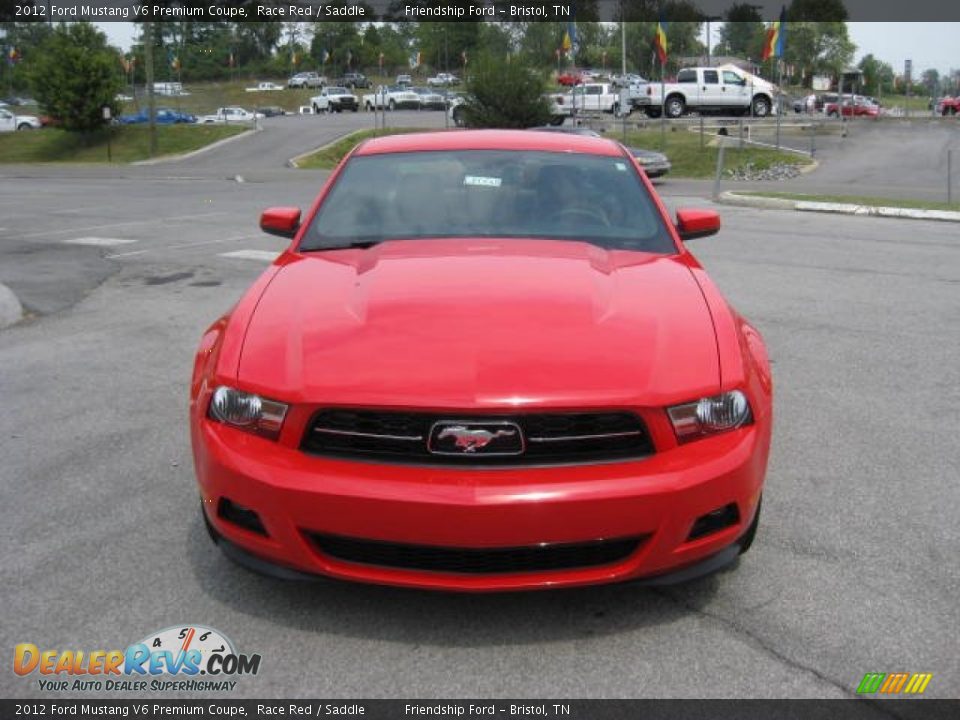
(589, 98)
(392, 97)
(722, 90)
(230, 115)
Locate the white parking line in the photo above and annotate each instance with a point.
(175, 218)
(182, 245)
(99, 241)
(264, 255)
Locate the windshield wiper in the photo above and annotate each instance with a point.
(350, 244)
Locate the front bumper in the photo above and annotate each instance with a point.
(657, 498)
(656, 169)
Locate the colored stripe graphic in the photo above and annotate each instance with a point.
(894, 683)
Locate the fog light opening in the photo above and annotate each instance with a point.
(715, 521)
(240, 516)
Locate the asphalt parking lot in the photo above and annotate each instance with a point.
(854, 569)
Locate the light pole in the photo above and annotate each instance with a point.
(709, 19)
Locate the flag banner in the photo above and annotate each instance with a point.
(660, 41)
(775, 41)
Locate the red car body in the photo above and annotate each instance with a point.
(948, 106)
(857, 108)
(482, 328)
(570, 79)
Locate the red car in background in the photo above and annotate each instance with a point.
(487, 361)
(853, 107)
(948, 106)
(570, 79)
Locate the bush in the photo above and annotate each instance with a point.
(74, 74)
(505, 94)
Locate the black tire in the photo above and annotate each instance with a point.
(316, 109)
(24, 126)
(746, 540)
(392, 105)
(833, 114)
(458, 118)
(674, 107)
(355, 108)
(557, 120)
(761, 106)
(615, 110)
(652, 112)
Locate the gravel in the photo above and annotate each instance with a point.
(778, 171)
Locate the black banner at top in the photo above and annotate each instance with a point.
(468, 10)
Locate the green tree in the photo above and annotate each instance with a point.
(75, 75)
(505, 94)
(742, 32)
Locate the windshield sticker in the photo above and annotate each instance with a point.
(621, 167)
(479, 181)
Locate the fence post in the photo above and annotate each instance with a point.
(701, 131)
(741, 134)
(949, 177)
(716, 182)
(813, 139)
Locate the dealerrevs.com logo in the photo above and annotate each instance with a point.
(183, 657)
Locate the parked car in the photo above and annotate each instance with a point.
(334, 99)
(654, 163)
(169, 89)
(855, 106)
(393, 97)
(948, 106)
(721, 90)
(353, 80)
(430, 99)
(162, 116)
(370, 429)
(230, 115)
(443, 80)
(271, 111)
(307, 80)
(264, 87)
(10, 122)
(569, 79)
(628, 79)
(404, 80)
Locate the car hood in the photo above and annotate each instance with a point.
(481, 323)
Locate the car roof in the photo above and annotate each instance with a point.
(490, 140)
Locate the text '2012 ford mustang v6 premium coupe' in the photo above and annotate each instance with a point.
(485, 362)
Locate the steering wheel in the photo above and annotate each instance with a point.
(588, 213)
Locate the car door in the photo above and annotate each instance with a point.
(736, 92)
(711, 91)
(8, 122)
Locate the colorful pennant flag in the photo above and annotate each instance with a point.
(660, 41)
(775, 41)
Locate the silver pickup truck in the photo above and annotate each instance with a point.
(720, 90)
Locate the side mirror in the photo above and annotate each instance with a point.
(282, 221)
(697, 223)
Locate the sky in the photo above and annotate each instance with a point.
(928, 44)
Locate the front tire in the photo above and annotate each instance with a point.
(316, 109)
(24, 126)
(675, 107)
(392, 105)
(458, 118)
(761, 106)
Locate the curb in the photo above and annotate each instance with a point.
(294, 162)
(11, 311)
(731, 197)
(199, 151)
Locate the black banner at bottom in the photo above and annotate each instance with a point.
(419, 709)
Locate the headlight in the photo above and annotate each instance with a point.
(710, 415)
(247, 411)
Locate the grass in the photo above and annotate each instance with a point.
(328, 157)
(127, 143)
(860, 200)
(689, 160)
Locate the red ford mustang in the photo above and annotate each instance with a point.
(485, 362)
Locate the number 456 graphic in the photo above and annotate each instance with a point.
(894, 683)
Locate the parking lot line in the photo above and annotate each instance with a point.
(175, 218)
(100, 241)
(265, 255)
(181, 245)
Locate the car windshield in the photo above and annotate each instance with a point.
(489, 194)
(336, 91)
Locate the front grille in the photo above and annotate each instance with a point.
(476, 561)
(547, 438)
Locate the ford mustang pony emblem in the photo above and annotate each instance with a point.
(482, 438)
(469, 440)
